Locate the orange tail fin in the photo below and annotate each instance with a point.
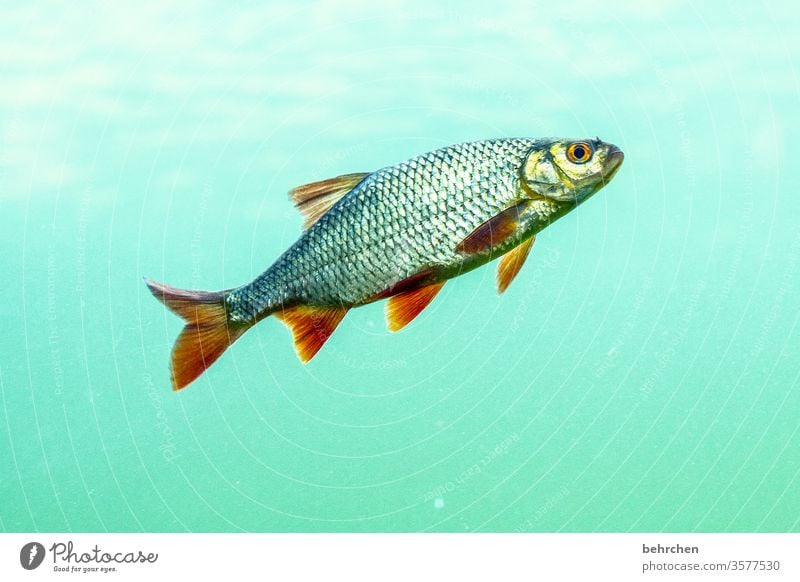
(207, 334)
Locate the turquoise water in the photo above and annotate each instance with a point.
(641, 374)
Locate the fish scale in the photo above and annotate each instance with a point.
(351, 253)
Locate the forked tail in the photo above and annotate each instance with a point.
(208, 331)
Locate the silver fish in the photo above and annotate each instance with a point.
(399, 234)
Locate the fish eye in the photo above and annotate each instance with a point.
(579, 152)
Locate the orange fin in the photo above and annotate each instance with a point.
(511, 263)
(493, 232)
(401, 309)
(206, 335)
(315, 199)
(311, 326)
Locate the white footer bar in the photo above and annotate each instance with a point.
(400, 557)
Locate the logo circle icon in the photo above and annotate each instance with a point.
(31, 555)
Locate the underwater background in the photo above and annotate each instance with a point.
(641, 374)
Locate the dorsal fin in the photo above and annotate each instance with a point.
(511, 262)
(401, 309)
(315, 199)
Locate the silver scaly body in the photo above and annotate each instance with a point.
(397, 222)
(396, 234)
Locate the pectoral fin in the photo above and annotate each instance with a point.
(494, 232)
(511, 262)
(311, 326)
(401, 309)
(315, 199)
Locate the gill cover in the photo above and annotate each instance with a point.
(564, 170)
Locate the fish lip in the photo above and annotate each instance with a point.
(614, 160)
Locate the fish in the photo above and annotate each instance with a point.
(399, 234)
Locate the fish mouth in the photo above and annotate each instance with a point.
(614, 160)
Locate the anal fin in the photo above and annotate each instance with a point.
(311, 327)
(402, 308)
(511, 262)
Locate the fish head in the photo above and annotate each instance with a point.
(570, 170)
